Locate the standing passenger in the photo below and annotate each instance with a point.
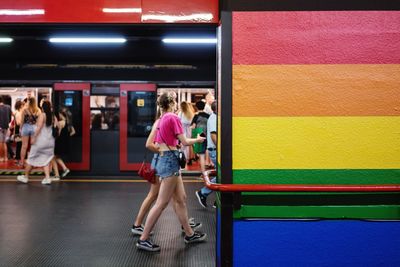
(200, 122)
(5, 118)
(212, 150)
(28, 121)
(17, 132)
(169, 132)
(186, 115)
(42, 148)
(61, 147)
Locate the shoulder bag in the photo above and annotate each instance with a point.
(146, 172)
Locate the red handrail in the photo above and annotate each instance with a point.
(297, 187)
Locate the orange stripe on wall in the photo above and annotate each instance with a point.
(316, 90)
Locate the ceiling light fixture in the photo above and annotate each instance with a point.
(5, 40)
(122, 10)
(72, 40)
(189, 40)
(21, 12)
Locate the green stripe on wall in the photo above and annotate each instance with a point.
(386, 176)
(373, 212)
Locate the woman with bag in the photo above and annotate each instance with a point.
(167, 167)
(137, 227)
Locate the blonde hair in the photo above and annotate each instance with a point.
(32, 106)
(187, 110)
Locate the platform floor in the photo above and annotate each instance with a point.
(88, 224)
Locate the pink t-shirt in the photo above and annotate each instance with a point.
(169, 127)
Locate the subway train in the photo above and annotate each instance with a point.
(110, 122)
(308, 114)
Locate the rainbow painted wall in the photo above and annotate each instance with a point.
(316, 97)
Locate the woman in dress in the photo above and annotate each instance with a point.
(42, 145)
(186, 115)
(61, 149)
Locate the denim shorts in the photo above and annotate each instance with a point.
(213, 157)
(167, 164)
(154, 162)
(28, 129)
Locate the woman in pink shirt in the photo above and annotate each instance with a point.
(169, 132)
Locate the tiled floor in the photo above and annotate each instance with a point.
(88, 224)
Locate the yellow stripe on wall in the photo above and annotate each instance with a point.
(316, 142)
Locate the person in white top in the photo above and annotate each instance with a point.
(209, 100)
(212, 151)
(186, 115)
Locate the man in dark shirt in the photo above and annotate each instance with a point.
(5, 118)
(200, 122)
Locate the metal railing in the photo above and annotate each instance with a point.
(296, 187)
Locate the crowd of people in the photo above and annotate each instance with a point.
(40, 136)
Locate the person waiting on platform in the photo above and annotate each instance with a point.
(212, 150)
(5, 118)
(186, 115)
(17, 131)
(169, 132)
(61, 147)
(42, 148)
(29, 117)
(199, 123)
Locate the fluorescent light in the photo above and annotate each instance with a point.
(6, 40)
(198, 17)
(21, 12)
(189, 40)
(122, 10)
(87, 40)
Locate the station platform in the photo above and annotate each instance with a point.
(81, 223)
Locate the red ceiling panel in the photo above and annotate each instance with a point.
(178, 11)
(108, 11)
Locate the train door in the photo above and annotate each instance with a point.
(74, 100)
(137, 113)
(104, 128)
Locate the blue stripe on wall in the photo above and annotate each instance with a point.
(316, 243)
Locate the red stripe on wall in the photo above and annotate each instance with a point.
(337, 37)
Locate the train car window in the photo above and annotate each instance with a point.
(141, 113)
(104, 112)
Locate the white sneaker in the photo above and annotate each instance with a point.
(55, 178)
(22, 179)
(65, 173)
(46, 181)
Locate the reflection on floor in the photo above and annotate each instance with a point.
(88, 224)
(12, 166)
